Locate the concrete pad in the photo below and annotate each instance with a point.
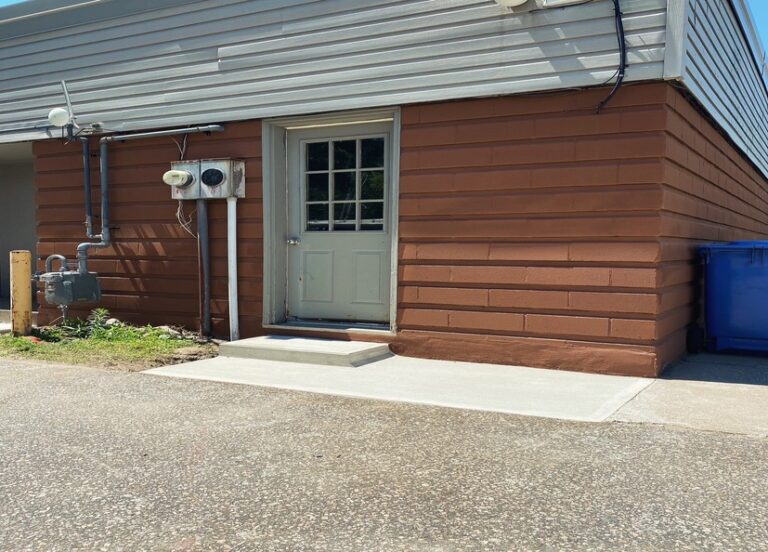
(311, 351)
(715, 392)
(5, 317)
(731, 408)
(5, 328)
(509, 389)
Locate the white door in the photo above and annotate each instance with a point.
(339, 232)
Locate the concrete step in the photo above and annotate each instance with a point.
(306, 351)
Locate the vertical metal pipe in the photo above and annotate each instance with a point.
(104, 185)
(205, 266)
(82, 249)
(87, 187)
(234, 315)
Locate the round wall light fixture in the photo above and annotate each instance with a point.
(59, 116)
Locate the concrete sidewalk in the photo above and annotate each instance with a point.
(488, 387)
(736, 405)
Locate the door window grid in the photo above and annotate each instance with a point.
(343, 194)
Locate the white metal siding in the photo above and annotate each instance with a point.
(223, 60)
(720, 71)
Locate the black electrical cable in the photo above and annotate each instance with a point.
(622, 55)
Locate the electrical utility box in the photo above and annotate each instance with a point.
(206, 179)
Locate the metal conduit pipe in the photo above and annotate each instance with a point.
(205, 266)
(157, 133)
(234, 309)
(55, 257)
(87, 187)
(104, 236)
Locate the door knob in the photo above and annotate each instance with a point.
(293, 241)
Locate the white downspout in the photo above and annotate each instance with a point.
(234, 315)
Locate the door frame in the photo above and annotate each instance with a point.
(274, 134)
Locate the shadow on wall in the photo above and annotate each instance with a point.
(157, 274)
(17, 207)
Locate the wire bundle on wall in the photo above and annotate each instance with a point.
(622, 39)
(185, 221)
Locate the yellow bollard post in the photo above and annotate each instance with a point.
(21, 292)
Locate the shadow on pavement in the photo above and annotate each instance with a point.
(721, 368)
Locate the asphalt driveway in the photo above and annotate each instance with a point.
(97, 460)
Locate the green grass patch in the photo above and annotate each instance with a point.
(104, 343)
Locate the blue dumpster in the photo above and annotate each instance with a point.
(736, 309)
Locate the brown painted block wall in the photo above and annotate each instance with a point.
(529, 230)
(711, 193)
(532, 230)
(149, 275)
